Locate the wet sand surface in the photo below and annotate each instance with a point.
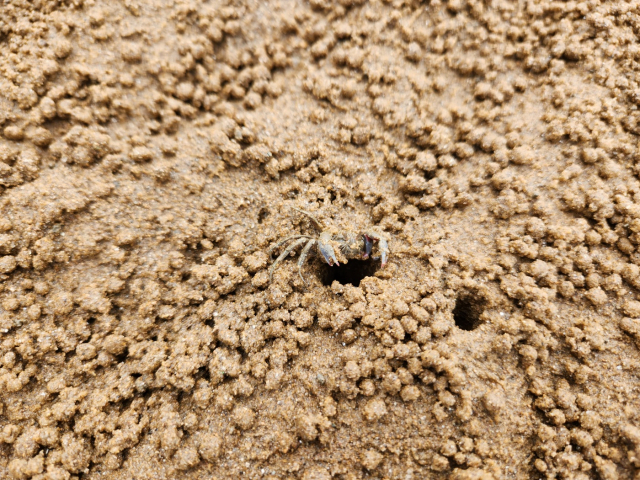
(151, 153)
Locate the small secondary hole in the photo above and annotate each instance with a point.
(467, 312)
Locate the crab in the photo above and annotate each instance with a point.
(333, 245)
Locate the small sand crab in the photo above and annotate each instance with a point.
(333, 245)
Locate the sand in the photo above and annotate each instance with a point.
(152, 154)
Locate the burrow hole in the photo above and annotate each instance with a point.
(349, 273)
(467, 311)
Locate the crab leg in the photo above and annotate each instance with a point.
(383, 246)
(315, 220)
(303, 257)
(286, 252)
(283, 241)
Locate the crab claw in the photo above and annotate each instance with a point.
(329, 255)
(326, 249)
(327, 252)
(368, 246)
(383, 246)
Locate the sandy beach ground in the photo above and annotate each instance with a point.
(153, 151)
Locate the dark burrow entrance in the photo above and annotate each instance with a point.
(467, 311)
(352, 272)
